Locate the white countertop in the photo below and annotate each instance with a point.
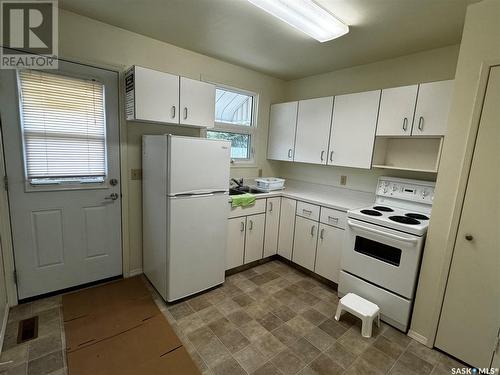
(324, 195)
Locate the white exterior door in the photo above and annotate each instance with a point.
(282, 124)
(433, 107)
(272, 226)
(353, 129)
(64, 234)
(156, 96)
(397, 106)
(235, 242)
(304, 243)
(470, 318)
(254, 242)
(286, 227)
(197, 103)
(313, 130)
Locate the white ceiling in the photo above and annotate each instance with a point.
(238, 32)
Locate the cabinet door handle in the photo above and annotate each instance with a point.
(290, 153)
(173, 111)
(405, 124)
(331, 218)
(185, 113)
(270, 206)
(313, 228)
(306, 212)
(322, 233)
(421, 123)
(331, 155)
(242, 226)
(250, 227)
(322, 155)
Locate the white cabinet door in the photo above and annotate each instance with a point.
(329, 251)
(235, 242)
(433, 106)
(286, 227)
(272, 226)
(304, 243)
(313, 130)
(282, 124)
(397, 106)
(156, 96)
(254, 243)
(353, 129)
(197, 103)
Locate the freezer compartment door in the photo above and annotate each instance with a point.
(198, 165)
(197, 233)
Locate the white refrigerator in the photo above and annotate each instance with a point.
(185, 209)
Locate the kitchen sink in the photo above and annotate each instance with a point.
(243, 190)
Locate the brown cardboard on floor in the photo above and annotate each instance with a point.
(110, 296)
(151, 348)
(98, 326)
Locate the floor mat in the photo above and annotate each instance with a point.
(117, 328)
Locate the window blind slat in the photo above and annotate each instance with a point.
(63, 124)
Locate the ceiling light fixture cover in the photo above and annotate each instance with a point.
(306, 16)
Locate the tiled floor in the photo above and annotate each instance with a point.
(271, 319)
(43, 355)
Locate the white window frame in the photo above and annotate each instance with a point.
(241, 129)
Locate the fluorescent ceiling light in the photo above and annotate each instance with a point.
(306, 16)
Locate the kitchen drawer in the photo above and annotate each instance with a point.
(307, 210)
(258, 208)
(333, 217)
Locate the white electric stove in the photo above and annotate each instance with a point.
(383, 247)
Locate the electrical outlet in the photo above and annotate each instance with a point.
(136, 174)
(343, 180)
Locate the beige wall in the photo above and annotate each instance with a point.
(432, 65)
(480, 44)
(87, 40)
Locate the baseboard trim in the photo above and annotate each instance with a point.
(418, 337)
(135, 272)
(4, 326)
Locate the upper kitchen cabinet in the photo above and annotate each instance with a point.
(433, 106)
(353, 129)
(397, 106)
(314, 118)
(282, 124)
(197, 103)
(153, 96)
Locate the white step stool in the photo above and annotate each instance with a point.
(363, 309)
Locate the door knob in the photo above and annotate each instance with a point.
(469, 237)
(112, 196)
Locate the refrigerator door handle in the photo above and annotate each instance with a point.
(198, 193)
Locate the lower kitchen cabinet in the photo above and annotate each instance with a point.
(254, 237)
(235, 242)
(304, 243)
(286, 227)
(328, 252)
(272, 226)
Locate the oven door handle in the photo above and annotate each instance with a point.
(393, 236)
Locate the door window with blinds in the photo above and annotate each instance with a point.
(63, 128)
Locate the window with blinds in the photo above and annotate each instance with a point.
(63, 128)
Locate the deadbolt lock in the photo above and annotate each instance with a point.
(113, 182)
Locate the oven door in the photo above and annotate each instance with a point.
(382, 256)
